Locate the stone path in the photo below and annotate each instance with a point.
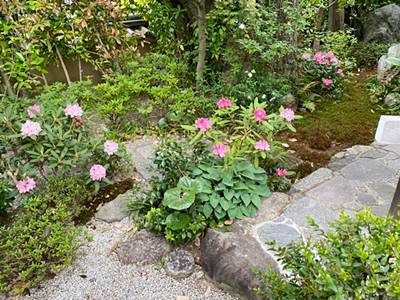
(363, 176)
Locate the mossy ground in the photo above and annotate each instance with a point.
(335, 125)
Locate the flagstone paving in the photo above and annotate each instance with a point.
(362, 176)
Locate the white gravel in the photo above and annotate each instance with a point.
(97, 274)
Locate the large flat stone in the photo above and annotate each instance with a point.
(367, 170)
(282, 230)
(115, 210)
(319, 210)
(142, 152)
(143, 248)
(312, 180)
(335, 192)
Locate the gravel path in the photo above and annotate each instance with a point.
(97, 274)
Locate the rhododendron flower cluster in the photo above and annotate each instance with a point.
(97, 172)
(224, 102)
(33, 110)
(327, 82)
(78, 122)
(26, 185)
(203, 124)
(262, 145)
(73, 110)
(288, 114)
(281, 172)
(110, 147)
(259, 114)
(30, 128)
(220, 150)
(325, 58)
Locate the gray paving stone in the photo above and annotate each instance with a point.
(312, 180)
(142, 152)
(367, 199)
(335, 192)
(283, 231)
(384, 190)
(319, 210)
(375, 153)
(115, 210)
(365, 169)
(393, 148)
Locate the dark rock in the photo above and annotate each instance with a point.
(290, 101)
(230, 258)
(383, 25)
(143, 248)
(142, 152)
(180, 264)
(392, 100)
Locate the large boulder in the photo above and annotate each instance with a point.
(231, 257)
(385, 70)
(383, 25)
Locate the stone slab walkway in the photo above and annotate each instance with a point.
(362, 176)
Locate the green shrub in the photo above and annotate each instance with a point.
(368, 54)
(358, 259)
(42, 239)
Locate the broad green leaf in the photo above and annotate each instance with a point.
(214, 200)
(177, 199)
(207, 210)
(233, 213)
(256, 201)
(246, 198)
(224, 204)
(177, 221)
(228, 194)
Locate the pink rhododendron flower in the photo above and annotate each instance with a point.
(110, 147)
(26, 185)
(30, 128)
(306, 56)
(340, 73)
(288, 114)
(331, 57)
(325, 61)
(224, 102)
(259, 114)
(327, 82)
(281, 172)
(97, 172)
(203, 124)
(318, 57)
(220, 150)
(73, 110)
(33, 110)
(262, 145)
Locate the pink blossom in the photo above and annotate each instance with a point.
(318, 57)
(259, 114)
(30, 128)
(281, 172)
(325, 61)
(33, 110)
(73, 110)
(26, 185)
(340, 73)
(327, 82)
(203, 124)
(262, 145)
(220, 150)
(288, 114)
(224, 102)
(331, 57)
(110, 147)
(306, 56)
(97, 172)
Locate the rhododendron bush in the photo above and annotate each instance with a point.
(53, 140)
(324, 73)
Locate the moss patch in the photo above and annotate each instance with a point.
(336, 125)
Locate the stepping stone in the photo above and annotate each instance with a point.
(115, 210)
(142, 152)
(180, 264)
(143, 248)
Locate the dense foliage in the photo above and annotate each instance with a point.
(357, 259)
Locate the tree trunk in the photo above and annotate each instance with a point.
(335, 16)
(63, 66)
(318, 29)
(7, 82)
(201, 61)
